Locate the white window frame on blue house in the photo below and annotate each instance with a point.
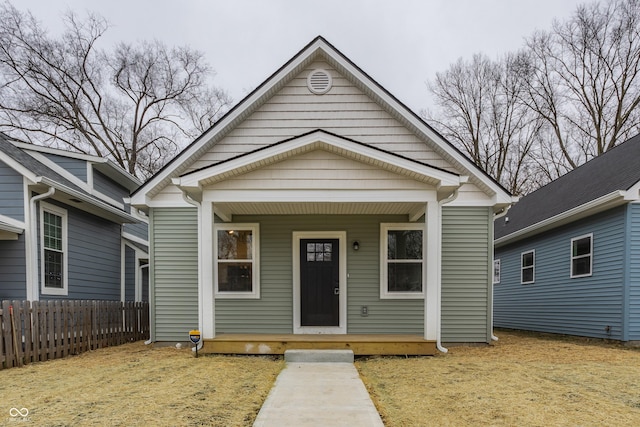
(254, 228)
(64, 250)
(532, 267)
(577, 257)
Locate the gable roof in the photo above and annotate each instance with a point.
(597, 185)
(16, 155)
(319, 48)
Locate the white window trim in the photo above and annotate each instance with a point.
(571, 257)
(255, 254)
(384, 288)
(56, 210)
(532, 266)
(496, 277)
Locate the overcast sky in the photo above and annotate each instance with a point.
(400, 43)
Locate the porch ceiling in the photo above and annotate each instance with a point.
(320, 208)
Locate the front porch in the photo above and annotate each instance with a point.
(360, 344)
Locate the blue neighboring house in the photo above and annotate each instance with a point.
(567, 256)
(66, 229)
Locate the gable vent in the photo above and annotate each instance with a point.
(319, 82)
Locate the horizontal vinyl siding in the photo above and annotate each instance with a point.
(13, 269)
(76, 167)
(93, 257)
(466, 250)
(174, 272)
(129, 274)
(11, 193)
(555, 302)
(344, 110)
(273, 312)
(633, 278)
(108, 187)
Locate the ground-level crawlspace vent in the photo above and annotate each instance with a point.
(319, 82)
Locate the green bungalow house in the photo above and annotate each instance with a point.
(320, 211)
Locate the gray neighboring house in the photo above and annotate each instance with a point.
(567, 256)
(66, 229)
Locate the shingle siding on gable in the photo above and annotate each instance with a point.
(11, 193)
(13, 269)
(633, 275)
(555, 302)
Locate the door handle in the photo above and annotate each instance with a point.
(336, 291)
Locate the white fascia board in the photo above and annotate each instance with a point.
(135, 239)
(318, 196)
(236, 113)
(608, 201)
(125, 217)
(58, 152)
(319, 140)
(18, 167)
(411, 119)
(11, 222)
(633, 193)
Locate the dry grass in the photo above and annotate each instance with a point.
(523, 379)
(135, 384)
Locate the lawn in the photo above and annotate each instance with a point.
(522, 380)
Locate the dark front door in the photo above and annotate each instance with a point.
(319, 282)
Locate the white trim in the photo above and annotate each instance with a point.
(19, 226)
(255, 260)
(135, 239)
(590, 255)
(532, 266)
(342, 243)
(61, 212)
(315, 196)
(600, 204)
(385, 227)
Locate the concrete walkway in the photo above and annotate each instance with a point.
(318, 388)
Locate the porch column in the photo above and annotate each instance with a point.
(206, 265)
(431, 271)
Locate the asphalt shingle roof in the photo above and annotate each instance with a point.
(616, 169)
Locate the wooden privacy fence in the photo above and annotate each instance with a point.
(42, 330)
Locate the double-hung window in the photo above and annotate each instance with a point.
(53, 249)
(582, 256)
(401, 255)
(528, 267)
(236, 253)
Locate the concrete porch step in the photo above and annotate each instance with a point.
(318, 356)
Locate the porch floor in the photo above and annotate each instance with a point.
(360, 344)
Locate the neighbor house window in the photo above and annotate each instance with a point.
(582, 256)
(53, 249)
(496, 271)
(528, 266)
(236, 252)
(402, 261)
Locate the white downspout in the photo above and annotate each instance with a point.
(441, 203)
(33, 287)
(192, 202)
(498, 216)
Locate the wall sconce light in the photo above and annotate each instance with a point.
(356, 245)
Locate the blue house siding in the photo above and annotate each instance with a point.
(76, 167)
(94, 260)
(633, 272)
(140, 230)
(109, 187)
(13, 269)
(129, 274)
(587, 306)
(11, 193)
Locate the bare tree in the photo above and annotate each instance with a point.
(134, 104)
(583, 81)
(482, 113)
